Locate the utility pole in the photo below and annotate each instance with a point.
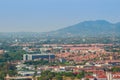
(7, 74)
(49, 57)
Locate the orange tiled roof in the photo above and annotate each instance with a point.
(89, 77)
(102, 76)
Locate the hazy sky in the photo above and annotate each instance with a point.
(47, 15)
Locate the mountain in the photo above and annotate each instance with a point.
(99, 28)
(89, 28)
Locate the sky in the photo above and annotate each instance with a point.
(49, 15)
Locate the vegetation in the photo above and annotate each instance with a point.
(11, 54)
(48, 75)
(7, 68)
(115, 69)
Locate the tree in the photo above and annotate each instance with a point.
(87, 79)
(115, 69)
(81, 75)
(59, 77)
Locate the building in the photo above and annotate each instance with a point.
(1, 51)
(28, 73)
(27, 57)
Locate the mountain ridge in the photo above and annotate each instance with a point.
(89, 28)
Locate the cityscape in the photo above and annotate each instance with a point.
(59, 40)
(52, 60)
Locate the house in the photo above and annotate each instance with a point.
(116, 76)
(90, 77)
(102, 77)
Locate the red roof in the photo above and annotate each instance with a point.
(116, 75)
(89, 77)
(102, 76)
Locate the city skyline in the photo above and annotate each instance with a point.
(44, 15)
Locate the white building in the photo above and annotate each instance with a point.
(38, 56)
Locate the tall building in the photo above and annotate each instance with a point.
(27, 57)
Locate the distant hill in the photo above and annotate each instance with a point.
(89, 28)
(98, 28)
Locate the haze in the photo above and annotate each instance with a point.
(48, 15)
